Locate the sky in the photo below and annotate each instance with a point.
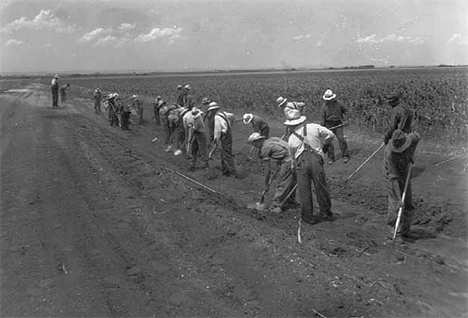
(113, 35)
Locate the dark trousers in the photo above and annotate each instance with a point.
(265, 132)
(198, 147)
(125, 120)
(97, 106)
(227, 159)
(286, 181)
(55, 93)
(339, 133)
(179, 134)
(167, 130)
(395, 192)
(157, 120)
(63, 95)
(139, 112)
(310, 170)
(113, 119)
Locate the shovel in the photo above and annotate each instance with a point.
(259, 206)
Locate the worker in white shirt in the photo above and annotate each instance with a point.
(222, 136)
(306, 142)
(195, 136)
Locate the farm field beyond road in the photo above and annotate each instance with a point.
(95, 223)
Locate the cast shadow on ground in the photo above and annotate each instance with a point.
(417, 170)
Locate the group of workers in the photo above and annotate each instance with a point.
(299, 154)
(56, 88)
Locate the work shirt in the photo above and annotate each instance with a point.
(316, 137)
(258, 123)
(400, 118)
(54, 84)
(197, 123)
(221, 124)
(293, 105)
(275, 148)
(181, 98)
(187, 101)
(97, 95)
(333, 111)
(396, 165)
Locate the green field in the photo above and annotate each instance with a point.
(437, 96)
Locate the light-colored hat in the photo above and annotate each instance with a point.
(135, 96)
(205, 101)
(187, 87)
(196, 112)
(111, 95)
(158, 97)
(97, 89)
(56, 76)
(328, 95)
(399, 141)
(247, 118)
(281, 101)
(212, 106)
(293, 118)
(255, 136)
(161, 102)
(179, 86)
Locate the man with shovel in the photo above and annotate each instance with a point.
(306, 142)
(398, 157)
(277, 150)
(333, 113)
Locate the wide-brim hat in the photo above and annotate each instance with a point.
(135, 96)
(255, 136)
(247, 118)
(205, 101)
(329, 95)
(196, 113)
(281, 101)
(212, 106)
(187, 87)
(294, 122)
(399, 141)
(161, 102)
(179, 86)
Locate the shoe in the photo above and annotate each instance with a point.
(345, 159)
(178, 152)
(328, 218)
(313, 221)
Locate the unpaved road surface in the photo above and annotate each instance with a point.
(94, 224)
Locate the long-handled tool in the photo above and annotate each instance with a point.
(338, 126)
(400, 211)
(259, 206)
(362, 165)
(210, 154)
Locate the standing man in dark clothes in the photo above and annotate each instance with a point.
(398, 156)
(182, 93)
(97, 100)
(112, 109)
(187, 100)
(125, 112)
(332, 116)
(63, 92)
(54, 87)
(400, 116)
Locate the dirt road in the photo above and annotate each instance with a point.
(94, 224)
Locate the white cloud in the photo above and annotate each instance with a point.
(106, 40)
(172, 34)
(125, 27)
(301, 37)
(458, 38)
(14, 42)
(373, 39)
(93, 35)
(45, 19)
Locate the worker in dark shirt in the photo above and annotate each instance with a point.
(400, 116)
(333, 113)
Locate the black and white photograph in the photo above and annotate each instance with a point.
(234, 158)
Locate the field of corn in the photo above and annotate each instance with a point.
(438, 97)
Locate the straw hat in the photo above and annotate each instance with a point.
(293, 118)
(328, 95)
(179, 86)
(281, 101)
(255, 136)
(187, 87)
(56, 76)
(135, 96)
(212, 106)
(161, 102)
(399, 141)
(205, 101)
(247, 118)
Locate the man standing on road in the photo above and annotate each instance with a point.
(138, 106)
(195, 136)
(156, 117)
(333, 113)
(63, 92)
(97, 100)
(54, 87)
(398, 156)
(277, 150)
(400, 116)
(306, 142)
(222, 136)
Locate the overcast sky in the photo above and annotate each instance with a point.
(105, 35)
